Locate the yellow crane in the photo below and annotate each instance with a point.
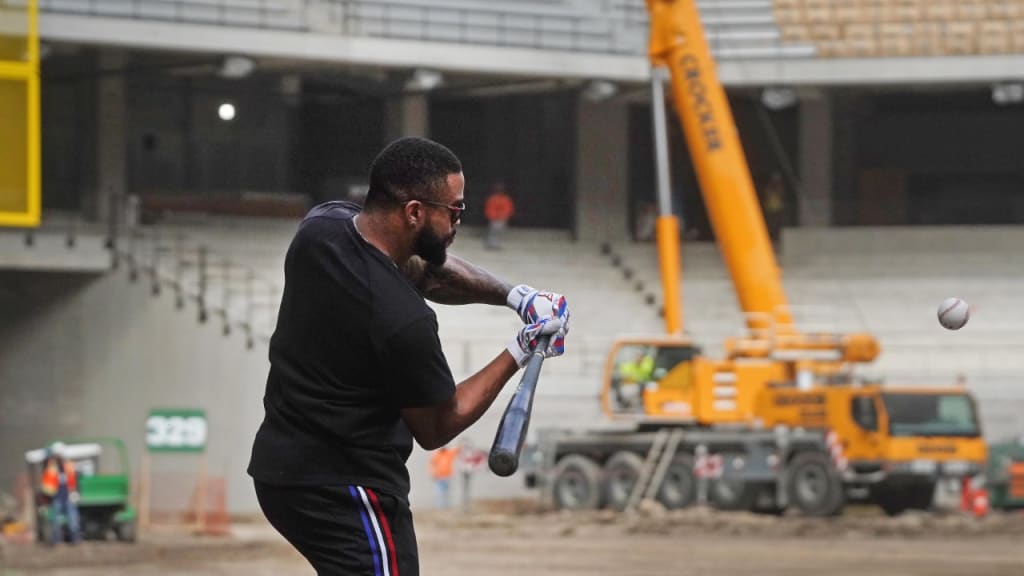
(782, 413)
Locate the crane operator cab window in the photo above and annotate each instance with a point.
(638, 370)
(931, 415)
(864, 413)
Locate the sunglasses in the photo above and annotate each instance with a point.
(455, 210)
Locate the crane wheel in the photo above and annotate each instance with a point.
(621, 473)
(679, 487)
(577, 484)
(730, 495)
(815, 487)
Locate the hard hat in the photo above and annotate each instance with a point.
(57, 449)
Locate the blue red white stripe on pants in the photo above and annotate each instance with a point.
(378, 531)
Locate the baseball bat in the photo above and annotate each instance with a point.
(508, 442)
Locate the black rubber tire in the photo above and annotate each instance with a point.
(815, 487)
(126, 532)
(577, 484)
(621, 472)
(730, 495)
(915, 497)
(679, 487)
(892, 505)
(765, 501)
(922, 496)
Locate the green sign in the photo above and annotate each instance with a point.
(176, 430)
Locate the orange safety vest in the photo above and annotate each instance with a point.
(51, 479)
(499, 207)
(442, 462)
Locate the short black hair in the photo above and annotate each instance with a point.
(410, 168)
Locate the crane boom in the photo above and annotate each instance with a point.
(677, 42)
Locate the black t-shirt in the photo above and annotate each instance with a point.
(355, 342)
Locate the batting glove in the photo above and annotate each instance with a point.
(533, 305)
(523, 345)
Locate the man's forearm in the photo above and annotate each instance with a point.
(475, 395)
(457, 282)
(435, 426)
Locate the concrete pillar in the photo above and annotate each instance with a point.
(408, 115)
(816, 159)
(602, 171)
(111, 148)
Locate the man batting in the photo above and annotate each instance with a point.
(356, 365)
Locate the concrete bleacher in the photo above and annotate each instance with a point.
(604, 305)
(278, 14)
(888, 282)
(736, 29)
(885, 281)
(869, 28)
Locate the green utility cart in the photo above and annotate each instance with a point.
(104, 485)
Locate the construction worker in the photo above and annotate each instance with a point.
(638, 370)
(442, 462)
(498, 208)
(60, 484)
(635, 374)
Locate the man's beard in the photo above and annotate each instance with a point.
(432, 247)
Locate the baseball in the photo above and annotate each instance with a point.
(953, 313)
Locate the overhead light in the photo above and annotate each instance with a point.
(226, 111)
(423, 80)
(236, 67)
(778, 98)
(1006, 94)
(598, 90)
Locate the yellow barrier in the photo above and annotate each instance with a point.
(20, 180)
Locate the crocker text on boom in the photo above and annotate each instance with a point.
(698, 92)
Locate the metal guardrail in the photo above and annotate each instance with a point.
(235, 294)
(611, 27)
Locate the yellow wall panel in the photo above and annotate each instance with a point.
(20, 184)
(13, 149)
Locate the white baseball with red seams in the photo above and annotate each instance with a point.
(953, 313)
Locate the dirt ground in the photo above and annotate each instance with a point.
(653, 542)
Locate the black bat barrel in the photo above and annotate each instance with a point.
(508, 442)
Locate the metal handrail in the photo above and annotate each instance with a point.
(607, 28)
(234, 293)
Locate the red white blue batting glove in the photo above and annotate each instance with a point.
(525, 342)
(533, 305)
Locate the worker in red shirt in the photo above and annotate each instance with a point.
(498, 209)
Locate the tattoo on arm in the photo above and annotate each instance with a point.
(457, 282)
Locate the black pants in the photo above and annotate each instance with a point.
(344, 530)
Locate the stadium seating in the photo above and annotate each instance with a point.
(867, 28)
(736, 29)
(240, 252)
(846, 284)
(277, 14)
(884, 281)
